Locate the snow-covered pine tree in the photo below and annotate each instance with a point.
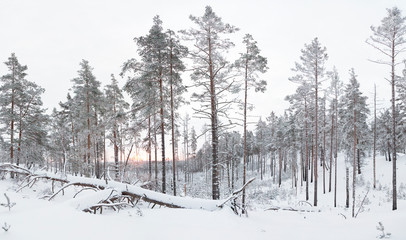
(22, 114)
(261, 133)
(388, 39)
(157, 85)
(250, 64)
(299, 104)
(354, 129)
(115, 113)
(143, 92)
(88, 100)
(32, 122)
(211, 76)
(311, 69)
(11, 86)
(336, 90)
(176, 52)
(60, 139)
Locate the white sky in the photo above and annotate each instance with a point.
(51, 37)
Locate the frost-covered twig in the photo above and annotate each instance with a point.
(362, 203)
(382, 234)
(9, 204)
(6, 227)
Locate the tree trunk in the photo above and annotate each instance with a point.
(354, 161)
(394, 193)
(20, 132)
(307, 155)
(280, 168)
(149, 150)
(12, 118)
(213, 104)
(324, 147)
(316, 138)
(347, 187)
(155, 151)
(173, 128)
(331, 152)
(161, 99)
(336, 149)
(374, 151)
(245, 132)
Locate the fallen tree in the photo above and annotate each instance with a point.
(124, 194)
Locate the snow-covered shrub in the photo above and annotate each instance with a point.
(402, 191)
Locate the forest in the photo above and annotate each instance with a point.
(330, 149)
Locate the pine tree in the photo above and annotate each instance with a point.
(10, 88)
(388, 39)
(210, 74)
(88, 99)
(176, 51)
(251, 63)
(311, 69)
(353, 117)
(115, 113)
(335, 88)
(32, 120)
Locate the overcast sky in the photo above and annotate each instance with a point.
(51, 37)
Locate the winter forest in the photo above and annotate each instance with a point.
(171, 141)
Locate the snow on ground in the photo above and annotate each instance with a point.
(62, 218)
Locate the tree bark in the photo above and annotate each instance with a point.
(161, 113)
(374, 151)
(172, 127)
(354, 161)
(394, 191)
(245, 130)
(213, 104)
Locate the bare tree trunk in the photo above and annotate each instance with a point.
(280, 167)
(149, 150)
(104, 155)
(245, 132)
(347, 187)
(374, 151)
(97, 160)
(214, 130)
(12, 118)
(307, 155)
(161, 98)
(88, 129)
(354, 161)
(20, 131)
(336, 150)
(155, 151)
(316, 137)
(358, 158)
(324, 146)
(173, 128)
(331, 152)
(394, 191)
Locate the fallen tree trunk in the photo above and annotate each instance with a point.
(134, 192)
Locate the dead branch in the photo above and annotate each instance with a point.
(362, 203)
(86, 188)
(150, 200)
(89, 185)
(9, 204)
(290, 209)
(235, 194)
